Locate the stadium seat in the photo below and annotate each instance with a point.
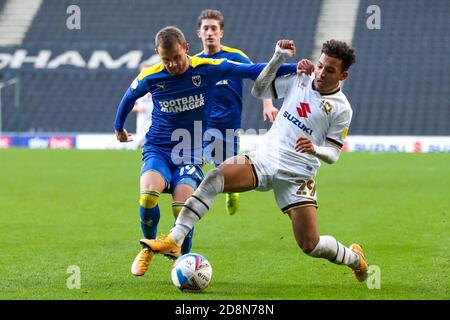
(396, 86)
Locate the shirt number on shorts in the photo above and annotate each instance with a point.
(189, 170)
(306, 188)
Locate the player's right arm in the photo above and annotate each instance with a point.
(262, 86)
(137, 89)
(269, 111)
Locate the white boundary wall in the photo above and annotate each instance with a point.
(418, 144)
(378, 143)
(352, 143)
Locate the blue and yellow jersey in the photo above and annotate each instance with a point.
(226, 105)
(180, 102)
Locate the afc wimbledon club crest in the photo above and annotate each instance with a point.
(197, 80)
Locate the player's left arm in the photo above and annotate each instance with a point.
(334, 140)
(232, 69)
(251, 71)
(269, 111)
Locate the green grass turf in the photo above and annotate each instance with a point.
(61, 208)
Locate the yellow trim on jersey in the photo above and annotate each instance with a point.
(226, 49)
(229, 49)
(150, 70)
(196, 61)
(344, 134)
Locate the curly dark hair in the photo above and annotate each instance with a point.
(340, 50)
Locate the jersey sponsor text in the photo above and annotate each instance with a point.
(183, 104)
(297, 122)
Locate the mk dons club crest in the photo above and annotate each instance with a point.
(326, 106)
(197, 80)
(301, 85)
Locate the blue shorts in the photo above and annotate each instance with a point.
(220, 145)
(172, 174)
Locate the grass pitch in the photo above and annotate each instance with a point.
(63, 208)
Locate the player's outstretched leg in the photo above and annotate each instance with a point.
(149, 213)
(193, 210)
(239, 174)
(232, 202)
(329, 248)
(187, 243)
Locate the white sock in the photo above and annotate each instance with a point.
(331, 249)
(197, 205)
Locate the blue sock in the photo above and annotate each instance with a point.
(149, 213)
(149, 221)
(187, 243)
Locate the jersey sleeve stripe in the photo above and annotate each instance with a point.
(334, 142)
(273, 90)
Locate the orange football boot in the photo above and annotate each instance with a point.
(141, 262)
(361, 272)
(163, 245)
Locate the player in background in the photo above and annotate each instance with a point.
(143, 108)
(181, 87)
(226, 108)
(312, 125)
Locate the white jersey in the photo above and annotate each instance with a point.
(144, 119)
(305, 112)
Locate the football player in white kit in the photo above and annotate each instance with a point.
(311, 125)
(143, 108)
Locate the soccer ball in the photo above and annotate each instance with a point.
(191, 272)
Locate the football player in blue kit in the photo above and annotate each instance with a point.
(226, 106)
(181, 86)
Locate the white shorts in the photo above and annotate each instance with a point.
(291, 189)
